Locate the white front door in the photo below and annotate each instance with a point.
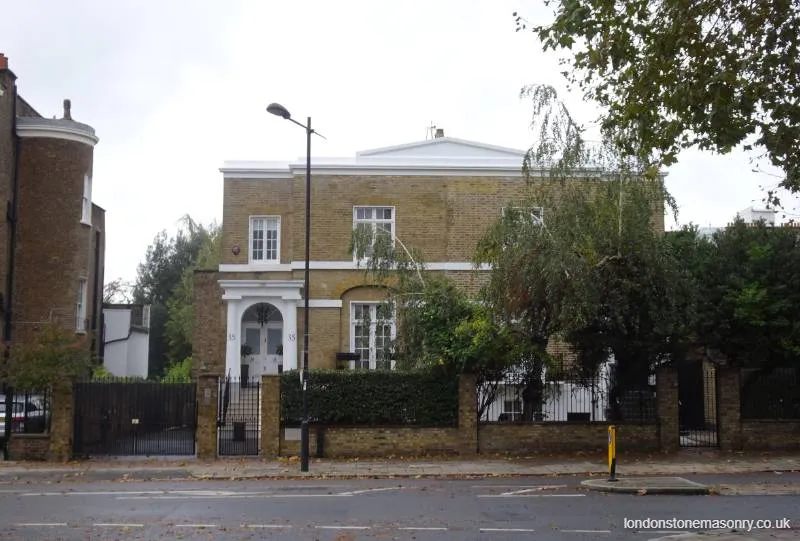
(266, 344)
(252, 337)
(273, 336)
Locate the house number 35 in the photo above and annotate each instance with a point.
(292, 336)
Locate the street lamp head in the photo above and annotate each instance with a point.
(279, 110)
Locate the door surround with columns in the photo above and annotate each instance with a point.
(239, 295)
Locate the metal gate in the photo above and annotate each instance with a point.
(697, 406)
(126, 418)
(239, 417)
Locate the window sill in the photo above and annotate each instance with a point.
(80, 331)
(87, 224)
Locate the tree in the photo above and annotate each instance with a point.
(159, 276)
(581, 258)
(180, 306)
(632, 299)
(671, 74)
(117, 292)
(749, 301)
(166, 259)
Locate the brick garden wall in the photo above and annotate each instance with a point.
(374, 441)
(468, 438)
(377, 442)
(559, 437)
(769, 435)
(29, 447)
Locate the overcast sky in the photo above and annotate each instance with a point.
(174, 93)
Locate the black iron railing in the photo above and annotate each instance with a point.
(239, 417)
(770, 394)
(570, 400)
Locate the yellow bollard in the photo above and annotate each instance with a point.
(612, 453)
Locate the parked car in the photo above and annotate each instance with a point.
(31, 416)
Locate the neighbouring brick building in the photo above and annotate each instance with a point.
(52, 250)
(438, 196)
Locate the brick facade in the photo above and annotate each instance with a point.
(7, 166)
(51, 255)
(48, 159)
(444, 195)
(208, 342)
(443, 217)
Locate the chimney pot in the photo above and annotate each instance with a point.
(67, 110)
(3, 62)
(439, 133)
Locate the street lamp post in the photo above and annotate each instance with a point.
(281, 111)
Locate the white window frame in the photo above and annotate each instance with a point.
(86, 200)
(515, 413)
(537, 213)
(372, 334)
(80, 306)
(375, 221)
(250, 233)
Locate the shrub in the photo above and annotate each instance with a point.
(179, 372)
(374, 398)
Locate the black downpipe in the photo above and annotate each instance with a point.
(12, 209)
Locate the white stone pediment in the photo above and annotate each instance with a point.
(443, 148)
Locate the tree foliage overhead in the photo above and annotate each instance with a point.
(671, 74)
(748, 293)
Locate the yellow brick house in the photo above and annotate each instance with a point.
(438, 195)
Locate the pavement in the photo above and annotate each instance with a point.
(642, 465)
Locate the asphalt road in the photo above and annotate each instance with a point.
(547, 508)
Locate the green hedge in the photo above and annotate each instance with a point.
(374, 398)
